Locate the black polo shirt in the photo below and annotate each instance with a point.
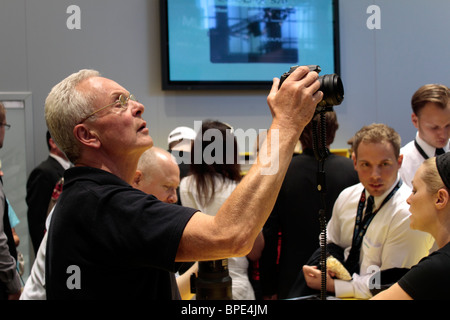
(108, 240)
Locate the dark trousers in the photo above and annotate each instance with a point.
(300, 288)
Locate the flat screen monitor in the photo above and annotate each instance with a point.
(244, 44)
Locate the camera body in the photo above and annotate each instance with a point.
(330, 84)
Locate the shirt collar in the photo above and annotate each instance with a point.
(379, 199)
(429, 150)
(66, 164)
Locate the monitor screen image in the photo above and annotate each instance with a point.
(244, 44)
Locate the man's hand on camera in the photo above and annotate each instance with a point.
(294, 104)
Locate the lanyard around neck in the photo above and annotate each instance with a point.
(424, 155)
(361, 224)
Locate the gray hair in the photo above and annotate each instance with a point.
(65, 107)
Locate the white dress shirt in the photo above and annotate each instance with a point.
(66, 164)
(412, 159)
(237, 266)
(34, 288)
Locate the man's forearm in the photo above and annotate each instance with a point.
(233, 230)
(236, 225)
(252, 202)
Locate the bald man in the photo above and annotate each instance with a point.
(158, 174)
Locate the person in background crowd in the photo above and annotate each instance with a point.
(179, 142)
(431, 116)
(209, 185)
(158, 174)
(369, 226)
(40, 185)
(10, 287)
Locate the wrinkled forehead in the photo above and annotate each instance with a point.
(101, 86)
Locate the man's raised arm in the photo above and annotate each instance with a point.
(233, 230)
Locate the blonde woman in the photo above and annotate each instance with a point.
(430, 212)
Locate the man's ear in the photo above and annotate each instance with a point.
(400, 160)
(354, 159)
(52, 143)
(86, 136)
(137, 178)
(415, 120)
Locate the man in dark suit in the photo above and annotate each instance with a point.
(295, 218)
(9, 278)
(40, 185)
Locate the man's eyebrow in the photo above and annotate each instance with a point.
(117, 93)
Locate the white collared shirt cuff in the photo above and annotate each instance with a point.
(343, 289)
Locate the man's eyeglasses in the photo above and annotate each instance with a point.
(5, 125)
(122, 101)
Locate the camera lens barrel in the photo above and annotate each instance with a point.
(213, 281)
(333, 90)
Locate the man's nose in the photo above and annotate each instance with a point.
(137, 108)
(172, 198)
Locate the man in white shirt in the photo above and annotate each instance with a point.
(431, 116)
(386, 241)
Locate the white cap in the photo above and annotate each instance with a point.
(180, 133)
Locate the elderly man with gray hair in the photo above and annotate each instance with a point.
(109, 240)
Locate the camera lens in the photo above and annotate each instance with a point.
(213, 281)
(330, 84)
(333, 90)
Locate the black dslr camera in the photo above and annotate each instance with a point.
(330, 84)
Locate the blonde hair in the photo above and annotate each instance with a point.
(65, 107)
(430, 175)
